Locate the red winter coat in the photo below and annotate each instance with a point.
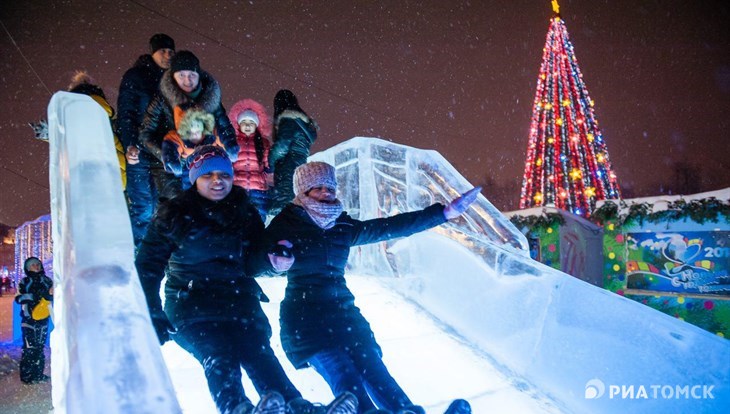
(248, 172)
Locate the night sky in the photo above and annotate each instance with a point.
(458, 77)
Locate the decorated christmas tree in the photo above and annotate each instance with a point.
(567, 159)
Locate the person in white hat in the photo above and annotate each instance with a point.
(320, 325)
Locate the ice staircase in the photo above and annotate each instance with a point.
(566, 344)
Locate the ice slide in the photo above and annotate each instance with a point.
(462, 301)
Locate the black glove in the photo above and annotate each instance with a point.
(40, 129)
(162, 326)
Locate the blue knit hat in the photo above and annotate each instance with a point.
(206, 159)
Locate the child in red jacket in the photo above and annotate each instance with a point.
(251, 169)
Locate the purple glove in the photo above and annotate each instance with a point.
(458, 206)
(280, 257)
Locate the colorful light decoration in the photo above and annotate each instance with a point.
(567, 160)
(33, 238)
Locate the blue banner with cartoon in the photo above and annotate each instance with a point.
(687, 262)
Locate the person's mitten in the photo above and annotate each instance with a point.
(281, 256)
(162, 326)
(458, 206)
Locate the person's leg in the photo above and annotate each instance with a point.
(32, 358)
(211, 344)
(257, 358)
(380, 385)
(168, 186)
(142, 198)
(338, 370)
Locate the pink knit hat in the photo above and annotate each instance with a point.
(314, 174)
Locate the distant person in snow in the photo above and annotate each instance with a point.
(294, 134)
(144, 171)
(195, 128)
(35, 294)
(184, 85)
(207, 241)
(252, 170)
(320, 325)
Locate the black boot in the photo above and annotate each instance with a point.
(459, 407)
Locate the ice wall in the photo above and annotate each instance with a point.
(566, 337)
(105, 354)
(377, 178)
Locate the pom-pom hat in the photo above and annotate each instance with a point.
(206, 159)
(314, 174)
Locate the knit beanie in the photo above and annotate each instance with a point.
(161, 41)
(206, 159)
(248, 115)
(314, 174)
(184, 60)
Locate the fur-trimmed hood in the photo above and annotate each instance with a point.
(264, 126)
(184, 120)
(289, 113)
(209, 99)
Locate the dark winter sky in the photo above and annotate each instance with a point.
(455, 76)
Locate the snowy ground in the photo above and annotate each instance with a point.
(431, 364)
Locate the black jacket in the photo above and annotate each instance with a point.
(159, 119)
(212, 251)
(294, 135)
(318, 310)
(31, 289)
(139, 84)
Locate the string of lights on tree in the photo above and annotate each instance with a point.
(33, 239)
(567, 160)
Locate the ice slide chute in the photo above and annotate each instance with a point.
(105, 355)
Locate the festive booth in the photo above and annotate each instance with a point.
(671, 253)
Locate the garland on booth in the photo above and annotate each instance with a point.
(544, 220)
(700, 211)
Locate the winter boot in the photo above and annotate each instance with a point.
(302, 406)
(459, 407)
(412, 409)
(345, 403)
(270, 403)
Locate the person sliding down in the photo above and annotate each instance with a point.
(320, 325)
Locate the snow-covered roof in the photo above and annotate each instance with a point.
(659, 203)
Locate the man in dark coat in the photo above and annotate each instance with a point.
(320, 324)
(144, 171)
(35, 294)
(294, 134)
(209, 239)
(184, 85)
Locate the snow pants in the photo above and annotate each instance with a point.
(223, 348)
(362, 372)
(32, 358)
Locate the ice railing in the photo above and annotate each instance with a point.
(377, 178)
(105, 354)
